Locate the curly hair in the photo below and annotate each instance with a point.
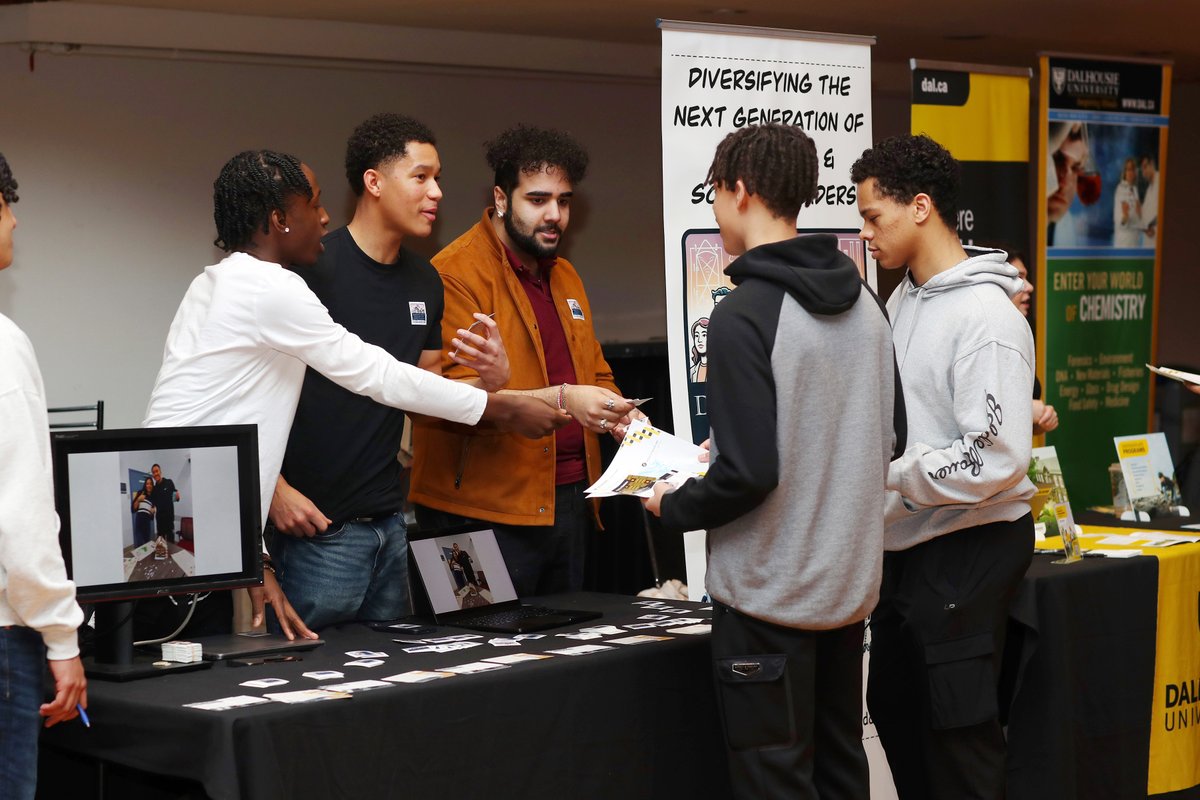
(777, 164)
(8, 184)
(905, 166)
(527, 150)
(378, 140)
(251, 185)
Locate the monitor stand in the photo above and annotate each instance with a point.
(115, 659)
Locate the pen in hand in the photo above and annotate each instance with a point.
(83, 715)
(471, 329)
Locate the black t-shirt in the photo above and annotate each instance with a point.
(163, 497)
(341, 453)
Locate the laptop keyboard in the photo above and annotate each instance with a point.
(510, 616)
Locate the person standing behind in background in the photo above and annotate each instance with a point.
(38, 613)
(1045, 418)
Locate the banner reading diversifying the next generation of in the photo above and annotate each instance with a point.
(1103, 135)
(717, 79)
(981, 115)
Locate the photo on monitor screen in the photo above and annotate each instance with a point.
(157, 511)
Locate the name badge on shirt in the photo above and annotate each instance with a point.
(576, 309)
(417, 313)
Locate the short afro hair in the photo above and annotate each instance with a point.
(378, 140)
(251, 185)
(776, 163)
(905, 166)
(525, 150)
(8, 184)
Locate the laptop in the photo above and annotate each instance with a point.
(469, 586)
(219, 647)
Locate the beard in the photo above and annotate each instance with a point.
(526, 239)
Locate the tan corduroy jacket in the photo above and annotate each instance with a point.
(477, 473)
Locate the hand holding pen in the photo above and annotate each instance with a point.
(70, 692)
(483, 353)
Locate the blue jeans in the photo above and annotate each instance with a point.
(357, 571)
(22, 662)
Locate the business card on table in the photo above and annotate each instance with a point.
(418, 676)
(356, 686)
(692, 630)
(603, 630)
(366, 654)
(582, 649)
(306, 696)
(473, 667)
(264, 683)
(640, 639)
(517, 658)
(324, 674)
(227, 703)
(363, 662)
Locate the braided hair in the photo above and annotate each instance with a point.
(527, 150)
(251, 185)
(8, 185)
(776, 163)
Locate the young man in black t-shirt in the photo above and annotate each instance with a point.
(164, 496)
(339, 543)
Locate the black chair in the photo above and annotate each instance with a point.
(73, 422)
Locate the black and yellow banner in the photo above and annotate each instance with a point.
(1102, 155)
(981, 115)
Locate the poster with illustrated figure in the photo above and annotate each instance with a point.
(717, 79)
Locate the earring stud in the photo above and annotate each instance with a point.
(287, 230)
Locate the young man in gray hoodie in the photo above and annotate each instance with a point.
(804, 414)
(959, 533)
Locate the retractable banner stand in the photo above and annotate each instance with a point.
(715, 80)
(981, 115)
(1103, 144)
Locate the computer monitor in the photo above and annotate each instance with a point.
(121, 540)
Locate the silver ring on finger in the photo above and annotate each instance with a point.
(611, 404)
(603, 424)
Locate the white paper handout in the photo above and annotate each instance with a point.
(646, 456)
(1175, 374)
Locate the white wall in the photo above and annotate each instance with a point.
(116, 157)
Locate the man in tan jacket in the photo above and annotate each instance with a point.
(531, 492)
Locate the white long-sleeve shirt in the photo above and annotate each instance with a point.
(34, 590)
(237, 350)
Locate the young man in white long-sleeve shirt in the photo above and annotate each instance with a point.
(958, 533)
(247, 328)
(38, 613)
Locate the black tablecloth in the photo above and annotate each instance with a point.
(1079, 722)
(635, 722)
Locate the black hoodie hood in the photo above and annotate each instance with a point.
(810, 268)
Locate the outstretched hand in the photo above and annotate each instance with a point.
(527, 415)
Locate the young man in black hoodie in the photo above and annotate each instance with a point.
(805, 416)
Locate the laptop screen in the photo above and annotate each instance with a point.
(462, 570)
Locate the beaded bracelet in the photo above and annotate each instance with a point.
(562, 397)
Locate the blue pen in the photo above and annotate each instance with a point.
(83, 715)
